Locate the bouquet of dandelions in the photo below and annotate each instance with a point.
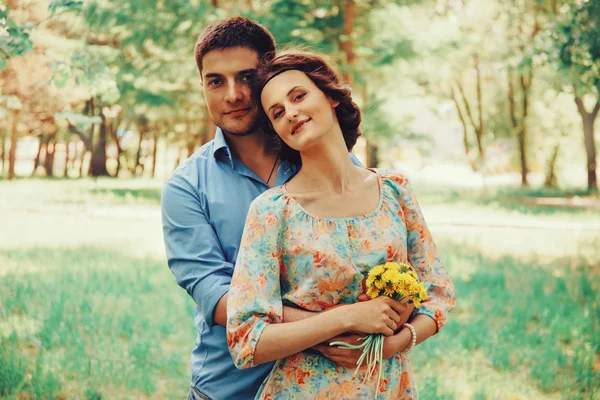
(397, 281)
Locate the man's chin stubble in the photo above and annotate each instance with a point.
(254, 128)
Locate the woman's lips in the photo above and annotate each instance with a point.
(299, 126)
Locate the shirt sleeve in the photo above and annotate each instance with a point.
(424, 257)
(355, 160)
(254, 299)
(194, 253)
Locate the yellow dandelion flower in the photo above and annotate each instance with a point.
(370, 280)
(391, 276)
(373, 292)
(377, 271)
(389, 291)
(379, 284)
(392, 266)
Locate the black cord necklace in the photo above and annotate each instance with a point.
(272, 169)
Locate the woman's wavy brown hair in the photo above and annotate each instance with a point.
(325, 78)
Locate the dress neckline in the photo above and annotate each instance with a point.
(340, 219)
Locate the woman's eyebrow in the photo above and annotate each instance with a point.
(288, 93)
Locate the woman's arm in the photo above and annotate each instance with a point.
(284, 339)
(425, 259)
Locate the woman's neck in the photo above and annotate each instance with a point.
(326, 166)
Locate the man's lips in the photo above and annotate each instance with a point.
(298, 127)
(237, 112)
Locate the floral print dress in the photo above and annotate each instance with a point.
(290, 257)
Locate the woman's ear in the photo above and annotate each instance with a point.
(333, 103)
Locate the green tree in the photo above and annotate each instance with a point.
(357, 34)
(576, 45)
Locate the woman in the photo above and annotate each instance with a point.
(310, 243)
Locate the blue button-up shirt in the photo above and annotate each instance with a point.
(204, 206)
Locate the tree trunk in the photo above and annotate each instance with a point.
(479, 132)
(347, 45)
(154, 149)
(98, 162)
(463, 122)
(588, 119)
(113, 128)
(49, 159)
(519, 124)
(550, 180)
(478, 128)
(36, 160)
(2, 153)
(81, 159)
(66, 170)
(13, 146)
(372, 155)
(138, 155)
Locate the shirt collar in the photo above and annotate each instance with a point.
(221, 143)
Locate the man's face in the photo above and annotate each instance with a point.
(226, 77)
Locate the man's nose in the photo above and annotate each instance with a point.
(234, 93)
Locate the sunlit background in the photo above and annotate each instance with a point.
(488, 106)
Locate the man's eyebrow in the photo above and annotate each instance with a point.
(288, 93)
(246, 71)
(212, 75)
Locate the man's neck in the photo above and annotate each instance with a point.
(252, 150)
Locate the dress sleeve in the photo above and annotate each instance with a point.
(255, 297)
(424, 257)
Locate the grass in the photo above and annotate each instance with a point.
(520, 330)
(101, 318)
(507, 200)
(105, 325)
(109, 325)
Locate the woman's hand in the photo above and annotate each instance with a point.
(395, 344)
(404, 317)
(381, 315)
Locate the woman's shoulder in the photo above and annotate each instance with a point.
(272, 200)
(394, 179)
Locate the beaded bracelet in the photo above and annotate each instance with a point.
(413, 334)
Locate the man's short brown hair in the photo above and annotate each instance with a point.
(234, 32)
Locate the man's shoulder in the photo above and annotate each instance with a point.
(189, 174)
(195, 164)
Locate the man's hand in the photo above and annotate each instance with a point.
(342, 357)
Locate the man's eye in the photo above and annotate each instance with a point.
(214, 82)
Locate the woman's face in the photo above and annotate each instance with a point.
(299, 111)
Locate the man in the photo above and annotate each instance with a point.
(206, 200)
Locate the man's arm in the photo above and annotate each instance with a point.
(195, 256)
(194, 253)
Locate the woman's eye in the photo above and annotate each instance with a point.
(299, 97)
(277, 114)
